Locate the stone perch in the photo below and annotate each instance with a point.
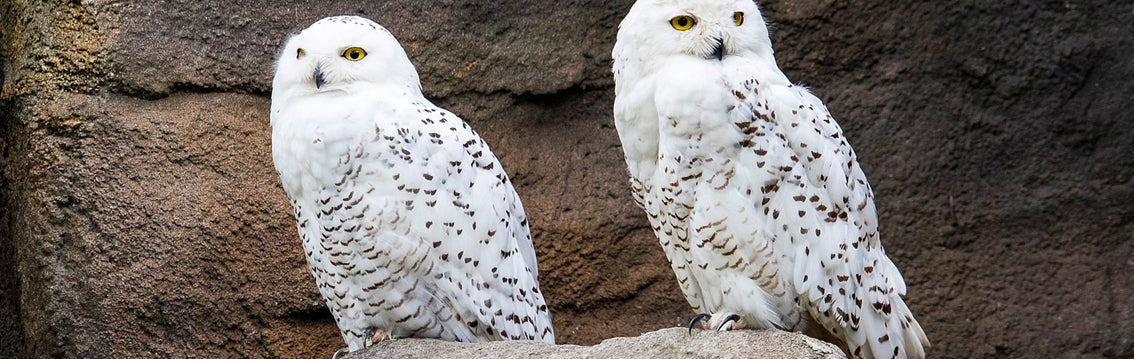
(664, 343)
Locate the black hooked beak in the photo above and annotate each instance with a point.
(718, 49)
(319, 78)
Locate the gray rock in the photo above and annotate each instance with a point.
(673, 343)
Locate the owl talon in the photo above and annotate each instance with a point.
(341, 351)
(375, 336)
(698, 318)
(727, 320)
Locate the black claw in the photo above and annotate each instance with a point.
(729, 318)
(341, 351)
(699, 317)
(367, 334)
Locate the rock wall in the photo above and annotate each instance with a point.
(141, 215)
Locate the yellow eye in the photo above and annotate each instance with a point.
(299, 53)
(354, 53)
(682, 23)
(738, 18)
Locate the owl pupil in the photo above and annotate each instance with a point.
(682, 21)
(354, 54)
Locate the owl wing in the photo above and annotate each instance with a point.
(422, 224)
(478, 227)
(841, 272)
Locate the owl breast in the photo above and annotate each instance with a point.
(702, 196)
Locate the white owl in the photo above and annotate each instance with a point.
(755, 194)
(410, 226)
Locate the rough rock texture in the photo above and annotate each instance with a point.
(140, 214)
(675, 343)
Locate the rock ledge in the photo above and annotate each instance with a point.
(664, 343)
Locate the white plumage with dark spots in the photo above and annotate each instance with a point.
(410, 226)
(756, 196)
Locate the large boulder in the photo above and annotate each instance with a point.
(140, 214)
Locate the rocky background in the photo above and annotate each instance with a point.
(141, 215)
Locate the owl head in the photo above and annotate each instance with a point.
(708, 29)
(342, 53)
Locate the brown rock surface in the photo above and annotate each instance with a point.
(141, 215)
(675, 343)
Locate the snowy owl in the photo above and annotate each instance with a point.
(753, 191)
(410, 226)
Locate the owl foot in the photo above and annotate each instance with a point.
(720, 321)
(342, 351)
(698, 318)
(726, 321)
(375, 336)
